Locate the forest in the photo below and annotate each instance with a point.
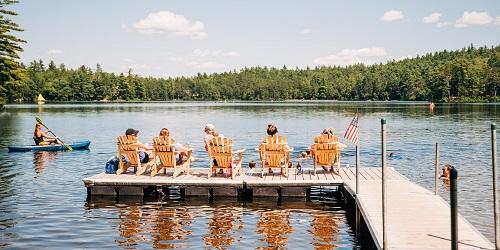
(471, 74)
(467, 75)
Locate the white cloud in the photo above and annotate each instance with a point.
(392, 15)
(432, 18)
(201, 52)
(305, 31)
(473, 18)
(352, 56)
(175, 59)
(209, 65)
(231, 54)
(214, 53)
(54, 51)
(170, 23)
(140, 66)
(443, 24)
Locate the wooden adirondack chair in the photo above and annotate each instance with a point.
(127, 147)
(274, 152)
(326, 151)
(164, 150)
(220, 150)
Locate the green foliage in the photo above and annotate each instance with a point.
(12, 75)
(467, 75)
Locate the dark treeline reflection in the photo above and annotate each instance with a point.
(344, 108)
(195, 223)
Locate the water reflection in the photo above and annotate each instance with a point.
(325, 230)
(274, 226)
(43, 159)
(131, 226)
(197, 224)
(170, 225)
(221, 225)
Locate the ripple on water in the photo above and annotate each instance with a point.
(42, 198)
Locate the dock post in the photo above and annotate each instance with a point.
(454, 208)
(495, 183)
(357, 216)
(384, 196)
(436, 167)
(357, 168)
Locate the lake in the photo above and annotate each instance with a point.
(43, 200)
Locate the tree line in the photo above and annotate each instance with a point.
(467, 75)
(471, 74)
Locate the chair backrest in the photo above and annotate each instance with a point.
(274, 150)
(325, 153)
(325, 138)
(127, 145)
(325, 149)
(221, 149)
(164, 149)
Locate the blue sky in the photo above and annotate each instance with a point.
(174, 38)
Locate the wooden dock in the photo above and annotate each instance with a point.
(417, 219)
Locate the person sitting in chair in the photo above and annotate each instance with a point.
(178, 147)
(144, 150)
(41, 137)
(272, 131)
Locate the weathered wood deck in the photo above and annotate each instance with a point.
(417, 219)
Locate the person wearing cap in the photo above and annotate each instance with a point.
(144, 150)
(210, 133)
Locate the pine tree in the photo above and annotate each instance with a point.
(12, 73)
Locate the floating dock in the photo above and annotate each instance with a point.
(417, 219)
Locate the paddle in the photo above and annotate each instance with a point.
(66, 146)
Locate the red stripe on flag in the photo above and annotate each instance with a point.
(352, 132)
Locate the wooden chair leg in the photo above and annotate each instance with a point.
(154, 170)
(141, 170)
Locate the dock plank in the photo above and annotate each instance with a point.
(416, 218)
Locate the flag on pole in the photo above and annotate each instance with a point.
(352, 132)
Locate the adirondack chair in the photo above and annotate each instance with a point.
(164, 150)
(220, 150)
(127, 147)
(274, 152)
(326, 151)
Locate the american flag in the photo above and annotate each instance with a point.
(352, 132)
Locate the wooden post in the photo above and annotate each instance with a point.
(436, 169)
(454, 208)
(357, 168)
(384, 196)
(495, 183)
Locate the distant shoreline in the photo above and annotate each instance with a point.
(244, 102)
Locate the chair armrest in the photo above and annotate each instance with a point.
(241, 150)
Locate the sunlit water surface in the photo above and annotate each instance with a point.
(43, 200)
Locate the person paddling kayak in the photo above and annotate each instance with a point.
(41, 137)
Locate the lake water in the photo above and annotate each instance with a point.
(43, 201)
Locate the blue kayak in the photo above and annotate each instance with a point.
(55, 147)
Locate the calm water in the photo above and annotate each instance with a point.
(43, 201)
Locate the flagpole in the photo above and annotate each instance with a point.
(384, 188)
(357, 168)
